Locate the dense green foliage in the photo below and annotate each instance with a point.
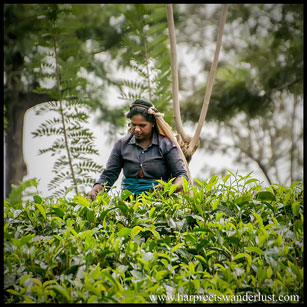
(263, 46)
(229, 236)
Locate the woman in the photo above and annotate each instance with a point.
(144, 155)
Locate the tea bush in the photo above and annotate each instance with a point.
(227, 236)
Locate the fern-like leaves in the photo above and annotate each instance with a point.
(56, 66)
(147, 52)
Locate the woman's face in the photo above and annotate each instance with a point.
(141, 128)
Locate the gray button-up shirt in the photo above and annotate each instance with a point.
(160, 160)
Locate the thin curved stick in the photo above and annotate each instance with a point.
(212, 73)
(175, 86)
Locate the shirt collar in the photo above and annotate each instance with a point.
(154, 140)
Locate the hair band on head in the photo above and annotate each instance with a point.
(139, 105)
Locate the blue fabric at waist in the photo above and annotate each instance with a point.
(137, 186)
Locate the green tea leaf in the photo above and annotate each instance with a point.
(28, 300)
(94, 290)
(87, 233)
(26, 239)
(151, 211)
(191, 267)
(202, 259)
(215, 204)
(226, 177)
(258, 218)
(265, 195)
(176, 247)
(95, 272)
(201, 184)
(37, 281)
(37, 199)
(200, 230)
(124, 232)
(41, 210)
(261, 273)
(199, 209)
(48, 283)
(269, 272)
(135, 230)
(161, 274)
(24, 278)
(242, 255)
(278, 240)
(81, 200)
(219, 216)
(295, 208)
(59, 212)
(251, 180)
(62, 291)
(125, 194)
(185, 184)
(154, 232)
(298, 226)
(255, 250)
(297, 271)
(172, 189)
(73, 232)
(123, 207)
(90, 215)
(233, 239)
(93, 298)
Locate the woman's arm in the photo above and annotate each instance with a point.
(110, 173)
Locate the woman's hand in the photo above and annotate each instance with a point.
(178, 182)
(95, 190)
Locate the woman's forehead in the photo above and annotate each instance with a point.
(138, 118)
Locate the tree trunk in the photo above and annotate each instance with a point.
(188, 144)
(15, 167)
(293, 140)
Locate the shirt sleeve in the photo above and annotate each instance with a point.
(175, 162)
(113, 167)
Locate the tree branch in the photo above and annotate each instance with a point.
(147, 69)
(293, 143)
(175, 84)
(212, 73)
(282, 86)
(62, 115)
